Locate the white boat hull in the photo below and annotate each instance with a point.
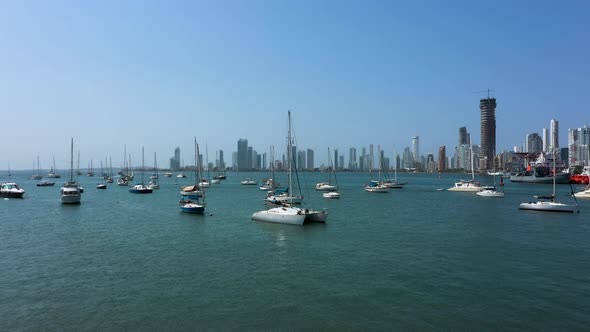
(331, 194)
(490, 193)
(465, 189)
(548, 206)
(582, 194)
(281, 215)
(324, 186)
(284, 199)
(381, 190)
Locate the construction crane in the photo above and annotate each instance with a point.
(488, 91)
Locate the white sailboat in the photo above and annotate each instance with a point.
(467, 185)
(389, 183)
(102, 184)
(490, 191)
(375, 186)
(70, 192)
(549, 203)
(37, 176)
(52, 173)
(333, 192)
(192, 204)
(155, 178)
(286, 214)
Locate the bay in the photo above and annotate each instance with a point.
(412, 259)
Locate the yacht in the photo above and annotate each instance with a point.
(248, 182)
(583, 194)
(490, 191)
(375, 187)
(141, 188)
(467, 185)
(70, 192)
(11, 190)
(45, 184)
(192, 204)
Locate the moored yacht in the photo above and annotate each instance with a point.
(70, 192)
(11, 190)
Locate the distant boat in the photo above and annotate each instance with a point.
(549, 203)
(11, 190)
(155, 178)
(490, 191)
(103, 184)
(45, 184)
(180, 175)
(90, 170)
(168, 174)
(193, 204)
(220, 176)
(9, 174)
(375, 187)
(141, 188)
(248, 182)
(70, 192)
(52, 173)
(330, 191)
(467, 185)
(37, 176)
(583, 194)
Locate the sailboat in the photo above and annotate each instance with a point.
(78, 165)
(467, 185)
(155, 178)
(285, 214)
(9, 174)
(491, 191)
(549, 203)
(270, 183)
(52, 173)
(70, 192)
(389, 183)
(37, 176)
(141, 188)
(109, 177)
(375, 186)
(328, 186)
(191, 204)
(331, 193)
(103, 184)
(123, 179)
(90, 170)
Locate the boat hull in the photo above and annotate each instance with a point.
(332, 195)
(193, 208)
(561, 178)
(316, 216)
(582, 194)
(548, 207)
(281, 215)
(490, 193)
(11, 194)
(141, 191)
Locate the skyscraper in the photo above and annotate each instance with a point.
(352, 159)
(301, 154)
(242, 154)
(415, 150)
(175, 161)
(546, 140)
(250, 157)
(310, 161)
(463, 136)
(554, 143)
(442, 158)
(533, 143)
(488, 133)
(221, 161)
(371, 161)
(336, 166)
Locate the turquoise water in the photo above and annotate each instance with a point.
(413, 259)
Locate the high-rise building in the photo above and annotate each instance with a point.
(534, 143)
(301, 154)
(310, 161)
(554, 143)
(488, 133)
(415, 150)
(546, 140)
(221, 160)
(242, 154)
(250, 158)
(442, 158)
(463, 135)
(175, 161)
(363, 159)
(352, 159)
(371, 161)
(341, 163)
(579, 146)
(336, 160)
(264, 160)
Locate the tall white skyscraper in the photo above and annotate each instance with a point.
(545, 139)
(416, 149)
(554, 135)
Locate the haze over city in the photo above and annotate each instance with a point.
(353, 73)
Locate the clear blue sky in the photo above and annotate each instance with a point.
(157, 73)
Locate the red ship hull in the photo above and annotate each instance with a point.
(579, 179)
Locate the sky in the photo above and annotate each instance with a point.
(353, 73)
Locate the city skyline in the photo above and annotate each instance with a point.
(366, 73)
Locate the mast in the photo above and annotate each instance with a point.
(72, 160)
(554, 174)
(196, 173)
(472, 170)
(289, 143)
(142, 166)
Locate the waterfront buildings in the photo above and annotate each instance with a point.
(242, 161)
(175, 161)
(310, 159)
(534, 143)
(579, 146)
(442, 158)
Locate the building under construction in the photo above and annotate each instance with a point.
(488, 133)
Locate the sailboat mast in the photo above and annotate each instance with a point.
(472, 168)
(72, 160)
(289, 190)
(142, 166)
(196, 173)
(554, 175)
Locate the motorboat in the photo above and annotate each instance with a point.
(583, 194)
(101, 186)
(215, 181)
(490, 191)
(324, 186)
(331, 194)
(180, 175)
(11, 190)
(220, 176)
(248, 182)
(168, 174)
(122, 181)
(140, 189)
(45, 184)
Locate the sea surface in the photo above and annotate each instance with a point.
(413, 259)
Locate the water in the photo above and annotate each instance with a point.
(413, 259)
